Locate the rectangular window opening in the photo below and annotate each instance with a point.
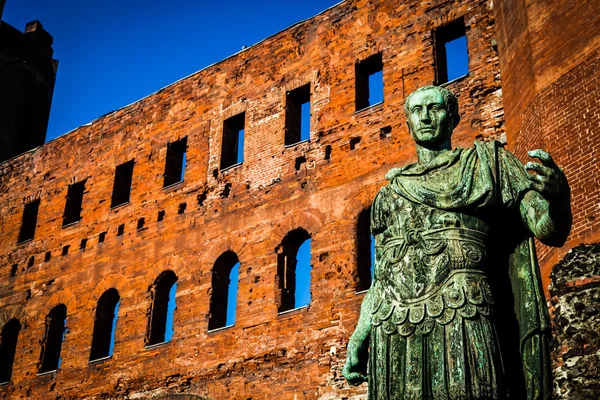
(232, 148)
(121, 230)
(297, 115)
(369, 81)
(83, 244)
(161, 215)
(29, 222)
(13, 270)
(73, 204)
(65, 250)
(101, 237)
(181, 208)
(122, 184)
(48, 256)
(140, 223)
(451, 54)
(175, 162)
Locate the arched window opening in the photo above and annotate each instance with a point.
(224, 291)
(103, 337)
(52, 343)
(8, 347)
(160, 326)
(293, 270)
(365, 250)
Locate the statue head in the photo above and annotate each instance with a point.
(431, 114)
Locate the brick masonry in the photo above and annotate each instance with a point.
(298, 355)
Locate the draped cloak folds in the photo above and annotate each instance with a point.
(476, 180)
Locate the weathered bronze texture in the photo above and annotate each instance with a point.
(456, 309)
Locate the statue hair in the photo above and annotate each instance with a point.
(450, 101)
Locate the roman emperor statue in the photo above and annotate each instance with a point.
(456, 309)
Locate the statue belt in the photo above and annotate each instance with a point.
(465, 293)
(458, 248)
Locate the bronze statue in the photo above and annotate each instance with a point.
(456, 309)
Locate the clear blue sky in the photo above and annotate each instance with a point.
(112, 53)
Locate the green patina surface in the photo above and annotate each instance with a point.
(456, 309)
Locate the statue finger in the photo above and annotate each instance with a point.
(538, 178)
(543, 156)
(539, 168)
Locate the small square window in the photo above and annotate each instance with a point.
(175, 162)
(297, 115)
(232, 148)
(29, 222)
(451, 55)
(72, 212)
(122, 184)
(369, 82)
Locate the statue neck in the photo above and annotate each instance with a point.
(426, 154)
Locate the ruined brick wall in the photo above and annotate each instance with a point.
(247, 209)
(575, 311)
(550, 63)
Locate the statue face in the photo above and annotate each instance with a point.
(428, 119)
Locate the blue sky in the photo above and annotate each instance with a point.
(112, 53)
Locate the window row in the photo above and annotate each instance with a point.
(293, 281)
(451, 58)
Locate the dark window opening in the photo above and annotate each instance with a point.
(122, 184)
(365, 250)
(48, 256)
(13, 270)
(29, 222)
(201, 198)
(328, 152)
(175, 162)
(224, 291)
(354, 142)
(451, 54)
(72, 212)
(369, 81)
(385, 132)
(161, 215)
(103, 336)
(31, 262)
(293, 270)
(65, 249)
(8, 348)
(101, 237)
(53, 338)
(226, 190)
(140, 223)
(83, 244)
(160, 325)
(299, 161)
(120, 229)
(232, 148)
(297, 115)
(181, 208)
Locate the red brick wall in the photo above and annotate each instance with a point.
(296, 355)
(550, 63)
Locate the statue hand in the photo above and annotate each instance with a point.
(352, 368)
(548, 179)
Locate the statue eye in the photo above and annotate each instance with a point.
(435, 107)
(417, 108)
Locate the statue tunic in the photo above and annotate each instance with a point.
(433, 334)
